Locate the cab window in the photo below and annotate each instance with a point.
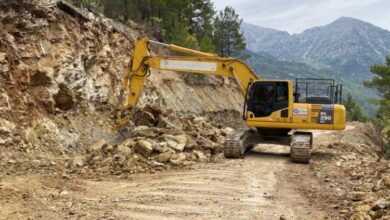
(281, 92)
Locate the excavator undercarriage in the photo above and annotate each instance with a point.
(239, 141)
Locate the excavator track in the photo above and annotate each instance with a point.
(300, 151)
(235, 143)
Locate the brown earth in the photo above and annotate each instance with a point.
(264, 185)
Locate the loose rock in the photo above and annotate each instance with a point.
(176, 142)
(144, 148)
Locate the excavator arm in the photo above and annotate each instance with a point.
(271, 105)
(199, 62)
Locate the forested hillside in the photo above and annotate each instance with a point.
(194, 24)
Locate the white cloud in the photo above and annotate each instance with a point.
(295, 16)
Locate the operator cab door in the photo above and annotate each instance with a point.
(268, 100)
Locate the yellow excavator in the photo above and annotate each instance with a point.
(273, 109)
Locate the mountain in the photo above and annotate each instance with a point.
(348, 46)
(263, 39)
(343, 50)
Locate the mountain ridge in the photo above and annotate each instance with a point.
(346, 45)
(344, 50)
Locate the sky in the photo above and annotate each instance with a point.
(294, 16)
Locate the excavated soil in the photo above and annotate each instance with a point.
(264, 185)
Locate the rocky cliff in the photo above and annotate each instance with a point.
(60, 69)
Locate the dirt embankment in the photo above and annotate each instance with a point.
(60, 69)
(346, 176)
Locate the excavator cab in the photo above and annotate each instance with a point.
(266, 97)
(314, 104)
(279, 112)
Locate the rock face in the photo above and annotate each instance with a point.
(60, 72)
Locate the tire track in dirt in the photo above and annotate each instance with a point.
(234, 189)
(250, 188)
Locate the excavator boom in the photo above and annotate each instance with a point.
(272, 108)
(199, 63)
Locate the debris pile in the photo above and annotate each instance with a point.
(352, 171)
(160, 140)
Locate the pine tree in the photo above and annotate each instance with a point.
(202, 18)
(354, 112)
(206, 44)
(381, 82)
(228, 39)
(180, 35)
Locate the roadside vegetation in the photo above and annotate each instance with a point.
(381, 82)
(189, 23)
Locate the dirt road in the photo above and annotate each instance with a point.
(252, 188)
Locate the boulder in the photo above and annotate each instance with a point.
(155, 164)
(169, 121)
(165, 156)
(6, 127)
(358, 196)
(78, 161)
(178, 159)
(198, 120)
(4, 102)
(2, 57)
(381, 204)
(206, 143)
(124, 150)
(144, 131)
(362, 208)
(226, 131)
(160, 147)
(200, 155)
(385, 182)
(5, 141)
(108, 148)
(360, 216)
(129, 143)
(63, 193)
(99, 145)
(177, 142)
(144, 148)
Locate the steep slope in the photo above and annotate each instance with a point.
(60, 69)
(347, 45)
